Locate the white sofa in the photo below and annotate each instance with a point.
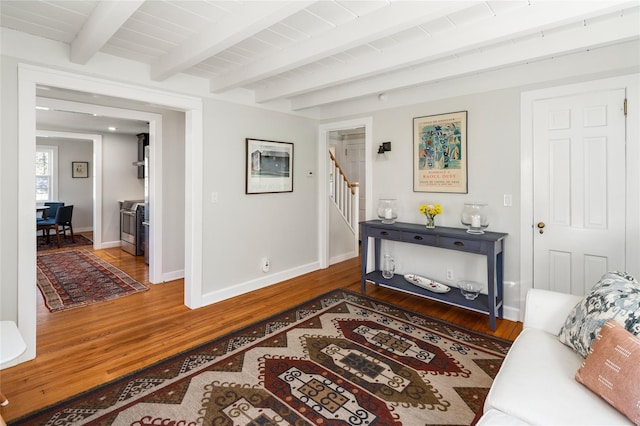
(536, 383)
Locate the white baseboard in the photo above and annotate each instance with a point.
(109, 244)
(78, 230)
(172, 276)
(509, 313)
(256, 284)
(512, 314)
(342, 257)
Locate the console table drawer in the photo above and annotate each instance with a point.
(387, 234)
(410, 237)
(462, 245)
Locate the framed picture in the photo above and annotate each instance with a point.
(440, 153)
(80, 169)
(269, 166)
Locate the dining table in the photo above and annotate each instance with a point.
(42, 209)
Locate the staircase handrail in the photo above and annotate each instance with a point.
(350, 185)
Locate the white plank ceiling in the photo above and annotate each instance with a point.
(315, 53)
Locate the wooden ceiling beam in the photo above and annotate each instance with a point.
(217, 38)
(105, 20)
(578, 39)
(516, 23)
(386, 21)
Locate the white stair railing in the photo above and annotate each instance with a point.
(346, 198)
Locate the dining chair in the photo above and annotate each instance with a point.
(51, 211)
(59, 224)
(53, 207)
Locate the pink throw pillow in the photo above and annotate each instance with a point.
(612, 369)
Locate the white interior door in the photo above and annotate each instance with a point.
(579, 189)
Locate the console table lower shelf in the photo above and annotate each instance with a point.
(488, 244)
(452, 297)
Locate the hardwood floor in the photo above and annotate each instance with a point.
(85, 347)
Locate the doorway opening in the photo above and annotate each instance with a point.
(324, 143)
(29, 78)
(69, 118)
(347, 175)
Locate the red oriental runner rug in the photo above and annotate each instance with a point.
(340, 359)
(80, 240)
(69, 279)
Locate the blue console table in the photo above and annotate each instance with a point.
(490, 244)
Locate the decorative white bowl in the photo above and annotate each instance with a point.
(470, 289)
(426, 283)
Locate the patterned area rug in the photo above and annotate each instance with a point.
(69, 279)
(340, 359)
(81, 240)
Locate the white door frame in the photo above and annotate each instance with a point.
(28, 77)
(323, 177)
(632, 84)
(96, 174)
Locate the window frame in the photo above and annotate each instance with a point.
(52, 150)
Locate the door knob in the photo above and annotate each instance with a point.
(541, 227)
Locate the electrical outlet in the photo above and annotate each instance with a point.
(450, 274)
(265, 264)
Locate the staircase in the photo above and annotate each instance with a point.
(345, 197)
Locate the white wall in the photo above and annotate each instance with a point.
(493, 170)
(341, 244)
(239, 230)
(173, 168)
(8, 174)
(120, 181)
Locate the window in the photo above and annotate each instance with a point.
(46, 173)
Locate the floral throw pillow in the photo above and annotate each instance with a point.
(615, 297)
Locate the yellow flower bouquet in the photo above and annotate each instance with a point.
(431, 211)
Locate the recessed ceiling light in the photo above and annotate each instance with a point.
(42, 108)
(112, 129)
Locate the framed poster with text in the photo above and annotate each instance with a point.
(440, 153)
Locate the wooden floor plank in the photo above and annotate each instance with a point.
(82, 348)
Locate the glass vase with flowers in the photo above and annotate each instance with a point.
(431, 211)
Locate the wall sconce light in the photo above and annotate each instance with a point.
(384, 147)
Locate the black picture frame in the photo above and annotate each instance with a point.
(269, 166)
(79, 169)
